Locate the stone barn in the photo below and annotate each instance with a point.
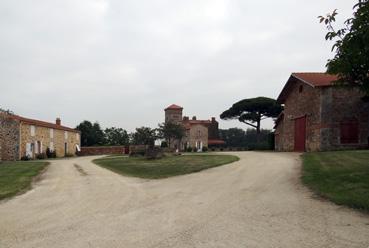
(320, 116)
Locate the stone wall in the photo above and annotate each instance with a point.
(173, 115)
(55, 140)
(9, 138)
(340, 104)
(303, 100)
(197, 133)
(103, 150)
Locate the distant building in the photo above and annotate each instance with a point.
(199, 133)
(319, 115)
(21, 137)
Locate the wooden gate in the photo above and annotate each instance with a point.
(300, 134)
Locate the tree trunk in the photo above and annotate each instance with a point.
(258, 130)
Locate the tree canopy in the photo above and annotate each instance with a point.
(116, 136)
(91, 134)
(6, 111)
(237, 137)
(252, 111)
(351, 60)
(171, 131)
(144, 136)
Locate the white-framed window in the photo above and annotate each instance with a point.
(51, 133)
(51, 147)
(65, 135)
(33, 130)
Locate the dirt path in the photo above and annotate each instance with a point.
(256, 202)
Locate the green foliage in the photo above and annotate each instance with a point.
(50, 154)
(116, 136)
(25, 158)
(165, 167)
(144, 136)
(204, 149)
(41, 156)
(351, 61)
(171, 131)
(91, 134)
(154, 153)
(341, 176)
(6, 111)
(189, 149)
(236, 137)
(164, 144)
(252, 111)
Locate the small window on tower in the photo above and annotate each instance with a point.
(301, 88)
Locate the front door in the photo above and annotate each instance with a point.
(300, 134)
(65, 149)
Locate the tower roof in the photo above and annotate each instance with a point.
(174, 107)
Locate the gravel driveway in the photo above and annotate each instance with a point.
(255, 202)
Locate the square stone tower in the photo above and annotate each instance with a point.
(173, 114)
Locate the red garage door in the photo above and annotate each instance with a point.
(300, 134)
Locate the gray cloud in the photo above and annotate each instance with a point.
(122, 62)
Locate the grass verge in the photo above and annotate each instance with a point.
(165, 167)
(341, 176)
(16, 177)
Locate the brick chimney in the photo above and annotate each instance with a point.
(58, 121)
(186, 118)
(213, 119)
(194, 118)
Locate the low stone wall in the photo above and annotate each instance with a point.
(103, 150)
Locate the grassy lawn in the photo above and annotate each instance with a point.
(342, 176)
(17, 176)
(165, 167)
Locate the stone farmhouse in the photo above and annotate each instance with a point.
(20, 137)
(319, 115)
(199, 133)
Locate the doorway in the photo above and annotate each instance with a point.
(300, 134)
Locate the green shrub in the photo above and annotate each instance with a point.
(204, 149)
(25, 158)
(154, 153)
(50, 154)
(41, 156)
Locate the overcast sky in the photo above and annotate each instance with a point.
(122, 62)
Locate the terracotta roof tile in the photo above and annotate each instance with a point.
(175, 107)
(316, 79)
(42, 123)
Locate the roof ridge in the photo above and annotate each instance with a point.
(311, 72)
(42, 123)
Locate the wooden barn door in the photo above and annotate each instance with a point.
(300, 134)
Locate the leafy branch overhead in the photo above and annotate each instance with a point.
(351, 47)
(253, 110)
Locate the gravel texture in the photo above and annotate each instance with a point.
(255, 202)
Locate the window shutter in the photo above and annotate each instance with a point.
(349, 132)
